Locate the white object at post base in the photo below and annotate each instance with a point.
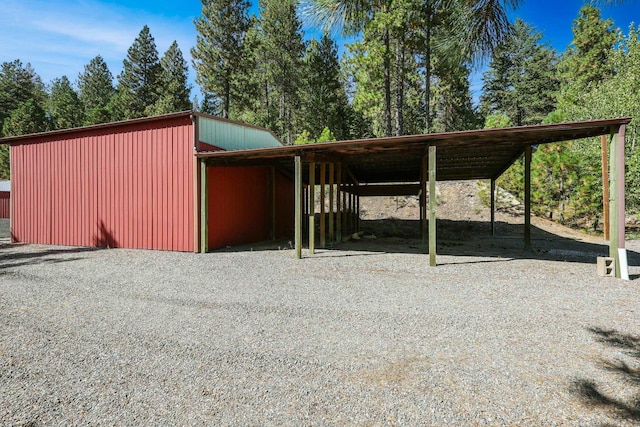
(606, 266)
(624, 266)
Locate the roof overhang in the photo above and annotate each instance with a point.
(474, 154)
(111, 126)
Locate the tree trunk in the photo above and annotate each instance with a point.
(226, 100)
(399, 79)
(266, 102)
(427, 74)
(387, 84)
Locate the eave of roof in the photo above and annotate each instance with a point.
(474, 154)
(112, 125)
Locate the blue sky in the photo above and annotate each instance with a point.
(60, 37)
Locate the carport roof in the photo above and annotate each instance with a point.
(474, 154)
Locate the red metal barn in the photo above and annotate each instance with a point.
(5, 197)
(135, 184)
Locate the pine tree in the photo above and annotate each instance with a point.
(29, 117)
(258, 107)
(585, 64)
(173, 90)
(219, 57)
(432, 30)
(366, 69)
(453, 106)
(616, 96)
(324, 100)
(521, 81)
(283, 51)
(65, 109)
(95, 86)
(18, 84)
(139, 80)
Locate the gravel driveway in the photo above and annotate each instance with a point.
(353, 336)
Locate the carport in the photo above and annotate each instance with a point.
(411, 165)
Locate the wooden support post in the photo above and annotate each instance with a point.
(338, 205)
(350, 219)
(204, 208)
(323, 177)
(621, 186)
(272, 203)
(493, 207)
(432, 205)
(345, 210)
(312, 208)
(527, 197)
(605, 188)
(423, 199)
(305, 211)
(332, 234)
(616, 206)
(298, 205)
(358, 214)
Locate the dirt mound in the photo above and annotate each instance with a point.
(463, 210)
(457, 200)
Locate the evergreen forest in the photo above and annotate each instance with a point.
(406, 71)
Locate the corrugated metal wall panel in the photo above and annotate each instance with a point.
(5, 197)
(129, 185)
(232, 136)
(239, 205)
(285, 206)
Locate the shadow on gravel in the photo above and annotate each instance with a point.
(624, 372)
(456, 238)
(473, 238)
(11, 257)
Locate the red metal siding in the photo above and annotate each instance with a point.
(239, 205)
(4, 204)
(285, 206)
(130, 185)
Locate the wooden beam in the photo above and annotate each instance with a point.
(345, 211)
(423, 198)
(508, 164)
(321, 158)
(312, 208)
(493, 206)
(338, 204)
(432, 206)
(305, 208)
(350, 209)
(204, 208)
(617, 209)
(527, 197)
(298, 205)
(621, 187)
(353, 178)
(323, 177)
(357, 213)
(331, 223)
(372, 190)
(605, 188)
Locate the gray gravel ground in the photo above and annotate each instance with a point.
(348, 337)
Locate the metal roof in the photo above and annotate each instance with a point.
(210, 121)
(474, 154)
